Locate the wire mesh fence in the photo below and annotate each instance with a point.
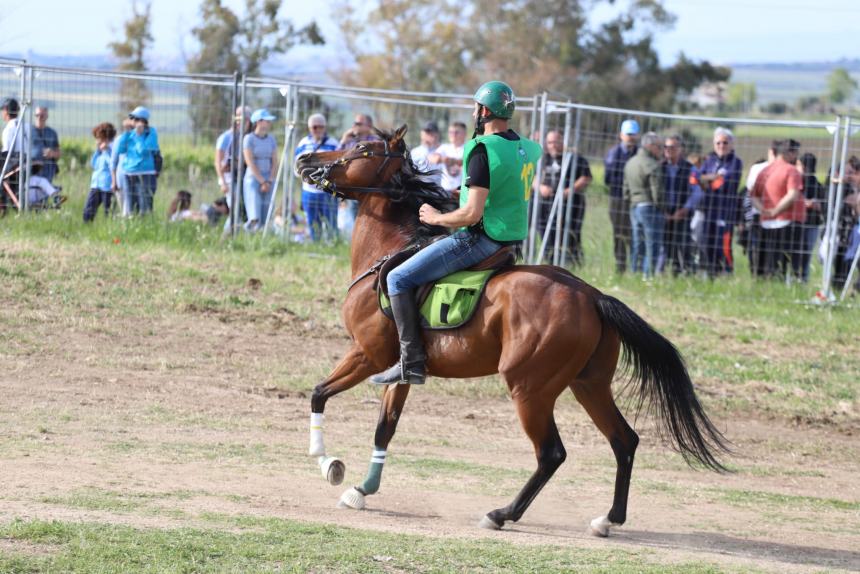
(593, 205)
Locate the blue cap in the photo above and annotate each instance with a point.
(139, 113)
(262, 114)
(630, 127)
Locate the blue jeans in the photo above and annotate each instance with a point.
(810, 237)
(647, 222)
(453, 253)
(320, 208)
(138, 193)
(256, 204)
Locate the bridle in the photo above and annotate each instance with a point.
(321, 176)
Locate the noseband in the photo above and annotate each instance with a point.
(321, 176)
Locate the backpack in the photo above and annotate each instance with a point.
(158, 160)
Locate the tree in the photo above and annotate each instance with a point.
(130, 53)
(740, 96)
(533, 44)
(840, 86)
(231, 44)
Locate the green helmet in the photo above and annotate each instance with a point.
(498, 97)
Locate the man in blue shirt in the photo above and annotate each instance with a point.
(613, 177)
(320, 208)
(140, 147)
(45, 144)
(224, 155)
(720, 179)
(683, 196)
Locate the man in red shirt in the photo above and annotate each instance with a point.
(778, 195)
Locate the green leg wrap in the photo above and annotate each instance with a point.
(374, 476)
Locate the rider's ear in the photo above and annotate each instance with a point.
(401, 131)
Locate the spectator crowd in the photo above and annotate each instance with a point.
(670, 211)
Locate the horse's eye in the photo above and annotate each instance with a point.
(361, 147)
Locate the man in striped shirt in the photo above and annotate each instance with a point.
(320, 207)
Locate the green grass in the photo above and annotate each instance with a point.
(272, 545)
(753, 346)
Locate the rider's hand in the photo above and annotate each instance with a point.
(428, 214)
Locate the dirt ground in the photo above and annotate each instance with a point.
(174, 420)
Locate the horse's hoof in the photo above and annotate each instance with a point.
(489, 524)
(600, 527)
(351, 498)
(333, 470)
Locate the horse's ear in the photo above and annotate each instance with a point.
(401, 131)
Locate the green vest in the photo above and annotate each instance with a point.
(512, 169)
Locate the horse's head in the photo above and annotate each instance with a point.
(369, 166)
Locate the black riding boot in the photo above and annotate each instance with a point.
(410, 369)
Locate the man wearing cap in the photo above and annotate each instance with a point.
(261, 164)
(319, 207)
(140, 147)
(420, 155)
(643, 190)
(613, 177)
(46, 144)
(494, 197)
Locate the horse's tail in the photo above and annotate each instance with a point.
(665, 386)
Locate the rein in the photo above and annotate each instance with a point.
(321, 177)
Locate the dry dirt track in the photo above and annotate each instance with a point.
(176, 418)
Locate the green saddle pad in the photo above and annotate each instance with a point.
(452, 299)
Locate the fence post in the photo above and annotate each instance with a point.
(290, 183)
(28, 164)
(837, 210)
(238, 146)
(562, 208)
(569, 205)
(830, 223)
(536, 183)
(22, 134)
(531, 204)
(234, 166)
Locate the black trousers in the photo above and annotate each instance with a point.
(782, 251)
(94, 199)
(679, 247)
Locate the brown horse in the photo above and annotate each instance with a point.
(541, 328)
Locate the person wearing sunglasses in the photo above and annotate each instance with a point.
(46, 144)
(720, 179)
(320, 207)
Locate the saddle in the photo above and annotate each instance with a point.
(501, 259)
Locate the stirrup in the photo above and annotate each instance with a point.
(395, 375)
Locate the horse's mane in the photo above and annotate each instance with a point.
(412, 187)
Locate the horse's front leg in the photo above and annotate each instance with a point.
(389, 413)
(352, 369)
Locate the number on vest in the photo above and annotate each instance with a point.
(527, 175)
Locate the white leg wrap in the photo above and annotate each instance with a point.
(351, 498)
(600, 526)
(317, 447)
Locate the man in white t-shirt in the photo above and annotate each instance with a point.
(10, 110)
(450, 156)
(420, 154)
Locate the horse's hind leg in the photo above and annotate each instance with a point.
(592, 389)
(389, 413)
(539, 424)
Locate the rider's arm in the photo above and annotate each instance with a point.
(467, 215)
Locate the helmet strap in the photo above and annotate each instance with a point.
(482, 120)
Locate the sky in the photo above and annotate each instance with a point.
(722, 31)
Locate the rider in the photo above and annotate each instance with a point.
(499, 166)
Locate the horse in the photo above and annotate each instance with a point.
(541, 328)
